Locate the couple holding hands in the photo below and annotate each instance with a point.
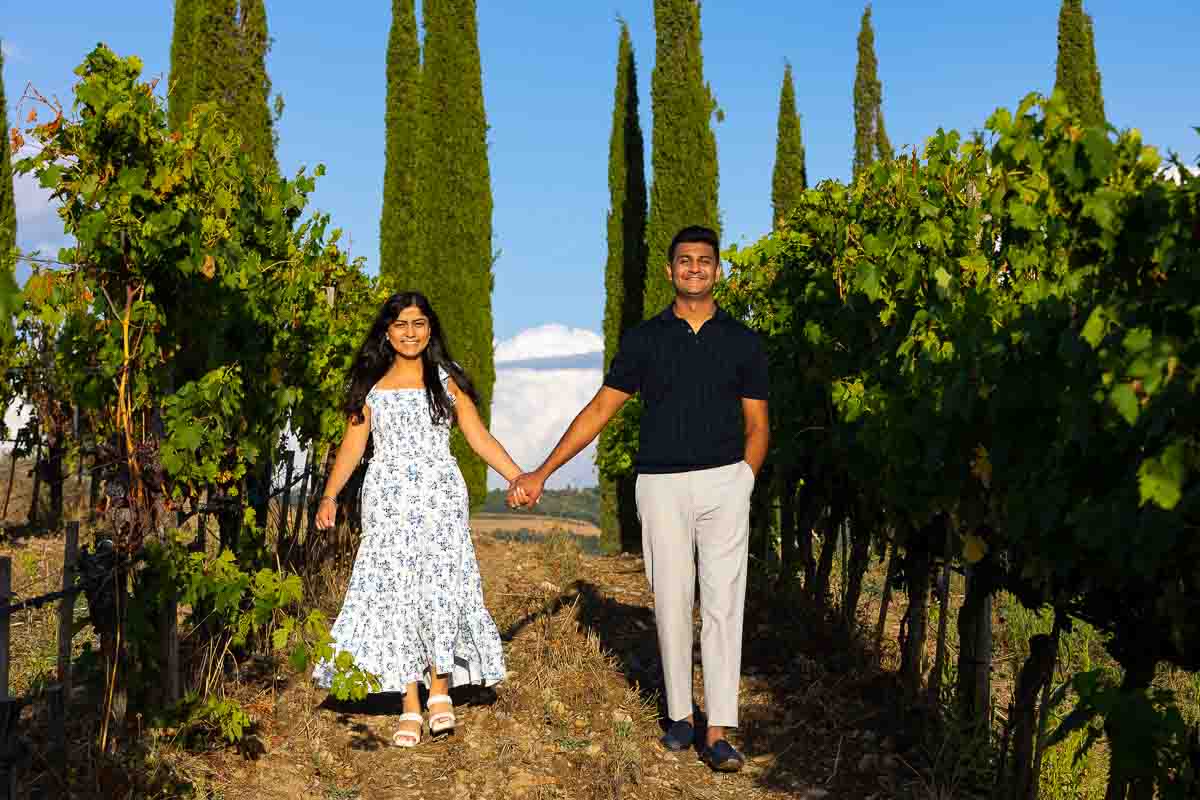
(414, 609)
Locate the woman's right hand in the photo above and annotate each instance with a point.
(326, 513)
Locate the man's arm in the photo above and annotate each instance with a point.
(583, 429)
(757, 432)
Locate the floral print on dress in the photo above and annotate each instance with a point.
(415, 596)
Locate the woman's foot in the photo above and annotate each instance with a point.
(441, 715)
(408, 731)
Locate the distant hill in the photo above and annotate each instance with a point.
(581, 504)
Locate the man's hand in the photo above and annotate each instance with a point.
(527, 489)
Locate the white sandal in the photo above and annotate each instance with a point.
(403, 738)
(442, 721)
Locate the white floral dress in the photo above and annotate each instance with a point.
(415, 596)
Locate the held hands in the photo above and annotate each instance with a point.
(525, 491)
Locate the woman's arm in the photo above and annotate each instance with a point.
(479, 437)
(350, 452)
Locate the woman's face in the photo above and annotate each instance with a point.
(409, 333)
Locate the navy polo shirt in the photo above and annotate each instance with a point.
(692, 385)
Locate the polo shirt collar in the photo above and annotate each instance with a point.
(669, 314)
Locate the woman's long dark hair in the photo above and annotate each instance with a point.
(376, 354)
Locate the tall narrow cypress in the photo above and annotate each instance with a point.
(1077, 73)
(218, 55)
(624, 274)
(456, 203)
(790, 177)
(8, 219)
(253, 107)
(183, 62)
(684, 190)
(870, 136)
(8, 205)
(399, 231)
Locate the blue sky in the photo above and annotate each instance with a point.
(548, 77)
(549, 69)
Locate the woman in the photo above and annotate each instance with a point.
(414, 609)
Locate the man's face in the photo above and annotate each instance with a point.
(694, 271)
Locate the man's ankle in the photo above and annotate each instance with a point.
(713, 735)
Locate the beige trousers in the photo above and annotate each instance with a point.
(701, 520)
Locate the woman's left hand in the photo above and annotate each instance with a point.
(517, 498)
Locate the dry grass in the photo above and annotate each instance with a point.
(576, 718)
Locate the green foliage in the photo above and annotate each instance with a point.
(684, 189)
(183, 61)
(624, 274)
(790, 177)
(1003, 332)
(265, 605)
(455, 269)
(1077, 74)
(8, 220)
(167, 223)
(218, 55)
(870, 137)
(400, 228)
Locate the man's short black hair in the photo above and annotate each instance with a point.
(695, 234)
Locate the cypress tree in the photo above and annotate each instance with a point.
(8, 219)
(1077, 74)
(253, 104)
(183, 62)
(218, 55)
(624, 274)
(455, 270)
(870, 136)
(399, 245)
(8, 206)
(684, 190)
(790, 178)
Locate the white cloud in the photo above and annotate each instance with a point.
(38, 223)
(1171, 173)
(549, 341)
(533, 404)
(531, 409)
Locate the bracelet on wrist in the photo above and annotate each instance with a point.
(325, 497)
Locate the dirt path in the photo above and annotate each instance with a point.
(578, 716)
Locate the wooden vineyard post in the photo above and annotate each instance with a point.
(10, 709)
(66, 607)
(12, 474)
(285, 502)
(5, 599)
(169, 642)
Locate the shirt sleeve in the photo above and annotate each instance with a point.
(626, 371)
(756, 382)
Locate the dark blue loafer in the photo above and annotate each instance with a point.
(679, 736)
(722, 757)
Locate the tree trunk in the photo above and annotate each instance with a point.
(1036, 670)
(974, 690)
(56, 478)
(885, 600)
(1139, 672)
(789, 545)
(860, 559)
(819, 587)
(1044, 709)
(912, 657)
(939, 658)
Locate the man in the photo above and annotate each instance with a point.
(703, 380)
